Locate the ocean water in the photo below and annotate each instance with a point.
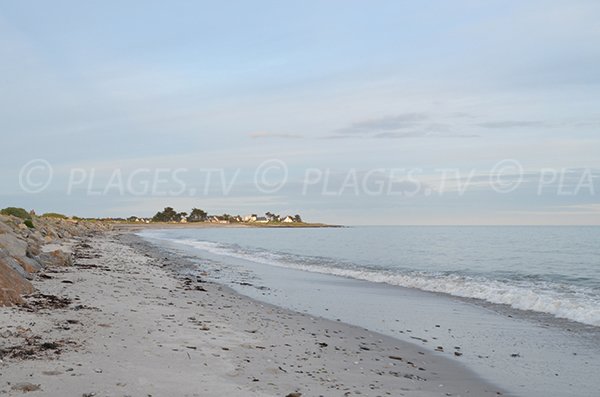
(553, 270)
(521, 304)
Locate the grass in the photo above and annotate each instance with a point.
(54, 215)
(18, 212)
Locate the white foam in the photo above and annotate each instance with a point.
(560, 300)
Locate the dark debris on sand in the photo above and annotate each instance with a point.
(36, 302)
(34, 348)
(85, 251)
(188, 284)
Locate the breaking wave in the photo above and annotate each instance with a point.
(561, 300)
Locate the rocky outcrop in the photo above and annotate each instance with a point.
(12, 285)
(56, 258)
(11, 261)
(13, 243)
(25, 251)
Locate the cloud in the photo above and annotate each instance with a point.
(418, 124)
(416, 134)
(386, 123)
(507, 124)
(402, 135)
(511, 124)
(396, 135)
(266, 135)
(405, 125)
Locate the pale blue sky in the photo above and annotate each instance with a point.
(332, 85)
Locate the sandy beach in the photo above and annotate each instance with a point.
(123, 321)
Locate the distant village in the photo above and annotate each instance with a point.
(198, 215)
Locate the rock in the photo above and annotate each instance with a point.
(11, 290)
(57, 258)
(30, 265)
(9, 261)
(21, 252)
(294, 394)
(4, 228)
(34, 245)
(49, 346)
(12, 244)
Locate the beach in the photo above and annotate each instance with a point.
(125, 320)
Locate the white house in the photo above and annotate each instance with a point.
(288, 219)
(217, 219)
(250, 218)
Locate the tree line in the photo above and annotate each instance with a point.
(170, 215)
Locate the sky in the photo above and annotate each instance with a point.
(352, 112)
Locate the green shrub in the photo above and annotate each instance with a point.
(29, 223)
(54, 215)
(14, 211)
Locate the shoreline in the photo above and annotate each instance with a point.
(152, 325)
(525, 353)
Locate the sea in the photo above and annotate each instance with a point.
(519, 305)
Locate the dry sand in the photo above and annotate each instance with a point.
(122, 323)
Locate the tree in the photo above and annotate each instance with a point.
(167, 215)
(197, 215)
(297, 218)
(271, 217)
